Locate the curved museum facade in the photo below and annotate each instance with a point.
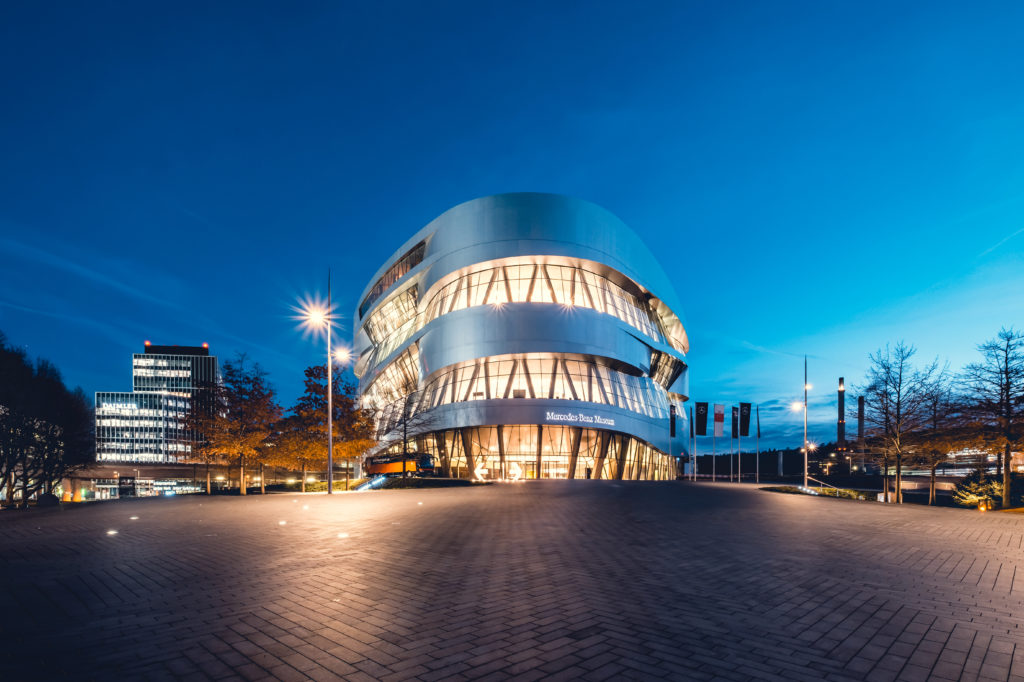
(525, 336)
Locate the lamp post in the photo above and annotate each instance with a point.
(316, 315)
(341, 355)
(796, 408)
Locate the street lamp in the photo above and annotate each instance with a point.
(796, 407)
(315, 316)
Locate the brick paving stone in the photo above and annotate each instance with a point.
(559, 579)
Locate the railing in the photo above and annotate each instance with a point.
(372, 484)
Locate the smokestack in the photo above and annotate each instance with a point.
(841, 424)
(860, 429)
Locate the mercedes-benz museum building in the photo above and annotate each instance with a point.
(525, 336)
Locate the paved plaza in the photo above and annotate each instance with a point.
(552, 579)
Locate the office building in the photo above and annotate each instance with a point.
(145, 425)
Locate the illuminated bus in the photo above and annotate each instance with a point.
(416, 463)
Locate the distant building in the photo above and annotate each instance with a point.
(144, 425)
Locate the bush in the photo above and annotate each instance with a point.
(321, 486)
(979, 487)
(844, 493)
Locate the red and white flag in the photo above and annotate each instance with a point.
(719, 419)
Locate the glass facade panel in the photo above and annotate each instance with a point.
(397, 319)
(529, 452)
(398, 312)
(411, 259)
(395, 382)
(527, 376)
(542, 283)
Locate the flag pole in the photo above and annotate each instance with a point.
(739, 449)
(693, 443)
(674, 463)
(757, 461)
(694, 478)
(731, 446)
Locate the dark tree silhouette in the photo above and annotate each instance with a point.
(46, 430)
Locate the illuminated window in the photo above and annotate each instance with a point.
(532, 451)
(530, 376)
(411, 259)
(572, 286)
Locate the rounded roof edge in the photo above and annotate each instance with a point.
(541, 216)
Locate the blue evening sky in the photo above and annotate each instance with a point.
(818, 177)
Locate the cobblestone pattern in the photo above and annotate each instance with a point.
(555, 580)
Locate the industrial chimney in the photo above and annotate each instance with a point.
(841, 424)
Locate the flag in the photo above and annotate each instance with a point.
(735, 421)
(744, 419)
(719, 420)
(672, 421)
(691, 422)
(702, 419)
(759, 422)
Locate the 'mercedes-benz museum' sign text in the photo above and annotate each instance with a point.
(578, 418)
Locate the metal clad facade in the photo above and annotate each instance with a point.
(535, 336)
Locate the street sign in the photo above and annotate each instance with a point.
(515, 472)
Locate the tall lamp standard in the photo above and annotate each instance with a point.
(797, 406)
(316, 316)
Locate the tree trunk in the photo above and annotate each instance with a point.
(24, 484)
(241, 477)
(899, 479)
(348, 472)
(885, 483)
(1006, 477)
(208, 486)
(303, 477)
(263, 480)
(931, 488)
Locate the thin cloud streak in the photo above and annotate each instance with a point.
(110, 331)
(31, 253)
(1000, 242)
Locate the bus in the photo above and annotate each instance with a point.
(416, 463)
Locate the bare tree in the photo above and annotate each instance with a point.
(995, 387)
(948, 429)
(896, 406)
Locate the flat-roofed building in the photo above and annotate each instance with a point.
(145, 424)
